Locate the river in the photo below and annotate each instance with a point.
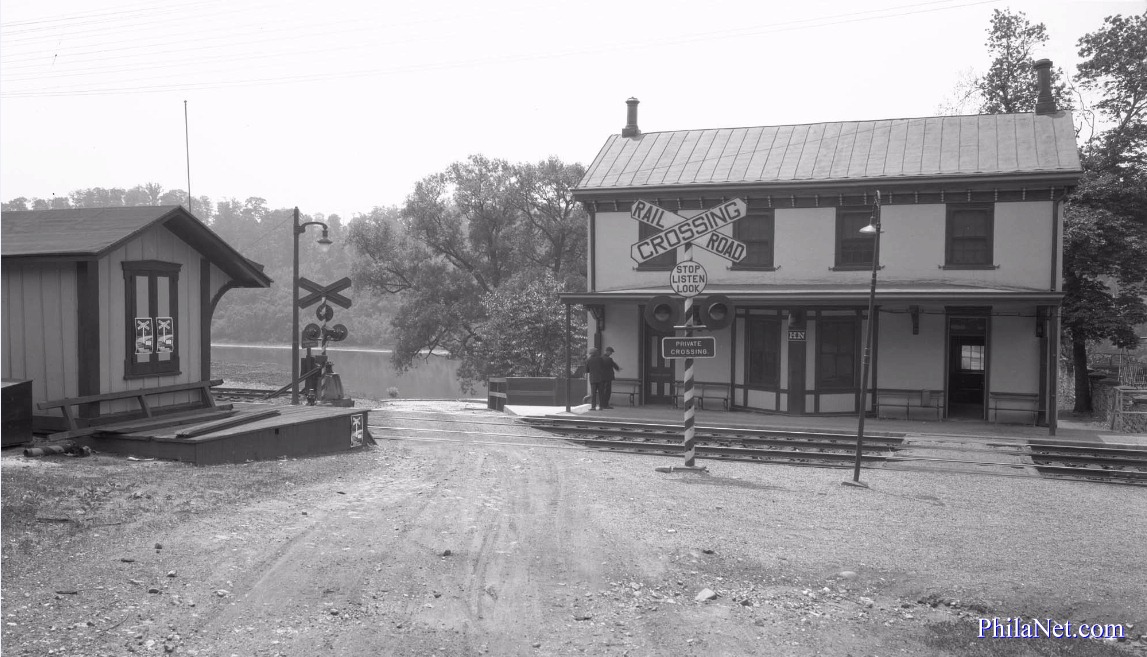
(364, 373)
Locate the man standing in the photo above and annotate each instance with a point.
(607, 387)
(595, 369)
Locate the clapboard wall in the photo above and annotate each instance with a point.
(38, 328)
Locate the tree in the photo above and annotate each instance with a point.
(461, 235)
(524, 332)
(1009, 86)
(1105, 230)
(1115, 66)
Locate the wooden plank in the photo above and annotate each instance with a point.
(127, 394)
(143, 425)
(227, 424)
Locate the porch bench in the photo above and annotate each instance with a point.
(703, 390)
(140, 395)
(630, 387)
(1014, 402)
(909, 398)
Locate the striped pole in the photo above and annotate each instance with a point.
(690, 447)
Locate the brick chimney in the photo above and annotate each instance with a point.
(630, 129)
(1044, 103)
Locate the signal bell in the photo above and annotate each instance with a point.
(662, 313)
(716, 312)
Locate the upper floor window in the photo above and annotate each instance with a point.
(756, 230)
(853, 248)
(968, 240)
(665, 260)
(151, 303)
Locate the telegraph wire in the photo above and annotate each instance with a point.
(801, 24)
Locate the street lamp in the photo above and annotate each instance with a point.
(873, 228)
(324, 244)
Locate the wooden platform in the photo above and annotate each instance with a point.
(295, 431)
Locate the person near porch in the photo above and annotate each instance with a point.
(595, 369)
(607, 386)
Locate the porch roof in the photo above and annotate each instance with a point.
(836, 294)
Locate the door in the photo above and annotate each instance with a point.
(967, 364)
(658, 372)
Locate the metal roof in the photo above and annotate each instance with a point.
(891, 150)
(86, 233)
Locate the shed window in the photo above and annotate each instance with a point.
(151, 302)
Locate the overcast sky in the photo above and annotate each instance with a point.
(340, 106)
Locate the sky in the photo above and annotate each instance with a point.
(341, 106)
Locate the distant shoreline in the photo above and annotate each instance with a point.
(287, 346)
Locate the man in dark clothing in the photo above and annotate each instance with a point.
(607, 387)
(595, 368)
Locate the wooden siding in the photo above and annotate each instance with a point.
(156, 243)
(39, 326)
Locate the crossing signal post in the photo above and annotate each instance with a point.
(688, 279)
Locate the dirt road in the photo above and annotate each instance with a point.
(469, 534)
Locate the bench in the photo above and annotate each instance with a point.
(909, 398)
(1014, 402)
(702, 390)
(140, 395)
(631, 387)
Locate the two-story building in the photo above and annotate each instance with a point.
(968, 272)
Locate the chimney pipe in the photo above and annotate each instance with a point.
(630, 129)
(1045, 103)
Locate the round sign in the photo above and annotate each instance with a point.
(324, 312)
(688, 278)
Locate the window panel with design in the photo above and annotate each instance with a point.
(152, 321)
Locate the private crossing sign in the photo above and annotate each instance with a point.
(691, 347)
(700, 230)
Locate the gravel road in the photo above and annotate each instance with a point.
(465, 533)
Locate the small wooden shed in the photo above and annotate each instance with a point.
(110, 300)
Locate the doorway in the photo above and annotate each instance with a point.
(967, 367)
(658, 372)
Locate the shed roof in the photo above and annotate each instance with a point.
(846, 152)
(92, 232)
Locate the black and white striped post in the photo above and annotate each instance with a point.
(690, 411)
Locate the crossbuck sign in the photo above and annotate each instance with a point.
(700, 230)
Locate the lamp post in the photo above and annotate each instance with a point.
(324, 244)
(873, 228)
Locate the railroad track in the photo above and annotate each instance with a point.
(239, 394)
(1121, 464)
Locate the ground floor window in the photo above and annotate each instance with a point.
(837, 344)
(764, 352)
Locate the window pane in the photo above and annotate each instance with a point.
(764, 352)
(969, 235)
(756, 231)
(665, 260)
(853, 247)
(972, 357)
(144, 329)
(836, 354)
